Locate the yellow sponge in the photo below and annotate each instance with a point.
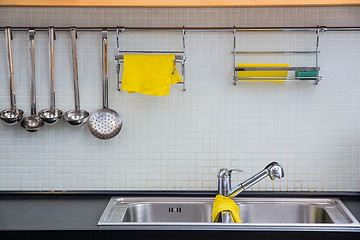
(278, 74)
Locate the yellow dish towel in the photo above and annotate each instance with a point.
(225, 203)
(149, 74)
(280, 74)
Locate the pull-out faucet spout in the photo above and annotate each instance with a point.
(273, 170)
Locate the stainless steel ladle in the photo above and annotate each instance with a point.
(12, 115)
(51, 115)
(33, 122)
(75, 117)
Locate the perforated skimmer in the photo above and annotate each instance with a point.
(105, 123)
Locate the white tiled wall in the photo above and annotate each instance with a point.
(178, 142)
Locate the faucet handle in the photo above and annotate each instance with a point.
(234, 170)
(224, 172)
(224, 180)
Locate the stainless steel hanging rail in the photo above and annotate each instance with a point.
(183, 29)
(342, 29)
(190, 29)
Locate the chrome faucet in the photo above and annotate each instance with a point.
(273, 170)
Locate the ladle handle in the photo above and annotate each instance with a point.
(75, 69)
(52, 66)
(32, 56)
(11, 68)
(105, 69)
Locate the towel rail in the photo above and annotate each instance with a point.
(180, 56)
(155, 52)
(120, 59)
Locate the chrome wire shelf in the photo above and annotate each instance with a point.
(275, 52)
(277, 68)
(294, 79)
(256, 79)
(316, 52)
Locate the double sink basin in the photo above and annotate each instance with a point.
(194, 213)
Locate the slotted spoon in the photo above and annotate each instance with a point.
(105, 123)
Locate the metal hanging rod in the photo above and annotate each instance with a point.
(191, 29)
(120, 58)
(343, 29)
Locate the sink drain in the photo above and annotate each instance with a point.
(174, 209)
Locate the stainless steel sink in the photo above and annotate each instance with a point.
(168, 212)
(288, 212)
(256, 213)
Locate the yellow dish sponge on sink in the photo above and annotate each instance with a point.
(222, 203)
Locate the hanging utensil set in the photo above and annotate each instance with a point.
(104, 123)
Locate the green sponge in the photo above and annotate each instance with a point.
(307, 75)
